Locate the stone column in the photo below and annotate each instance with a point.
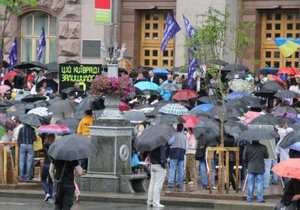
(112, 70)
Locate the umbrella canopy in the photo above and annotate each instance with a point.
(202, 107)
(185, 95)
(207, 130)
(40, 111)
(240, 85)
(217, 61)
(272, 86)
(168, 119)
(190, 121)
(232, 75)
(134, 116)
(265, 119)
(7, 122)
(72, 147)
(11, 75)
(258, 134)
(170, 86)
(31, 119)
(175, 109)
(145, 85)
(50, 83)
(290, 138)
(33, 98)
(235, 68)
(235, 95)
(269, 70)
(72, 123)
(62, 106)
(234, 128)
(29, 65)
(161, 71)
(287, 94)
(287, 70)
(295, 146)
(288, 168)
(4, 88)
(285, 109)
(52, 67)
(54, 129)
(154, 137)
(251, 101)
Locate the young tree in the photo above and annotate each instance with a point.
(9, 8)
(211, 42)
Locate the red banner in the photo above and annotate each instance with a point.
(102, 4)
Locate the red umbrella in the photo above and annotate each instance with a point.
(190, 121)
(276, 78)
(287, 70)
(124, 107)
(11, 75)
(4, 88)
(54, 129)
(288, 168)
(185, 95)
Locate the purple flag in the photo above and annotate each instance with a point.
(13, 55)
(42, 44)
(171, 28)
(189, 28)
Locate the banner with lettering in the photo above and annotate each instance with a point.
(78, 73)
(103, 11)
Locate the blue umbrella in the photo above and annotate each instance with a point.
(161, 71)
(235, 95)
(145, 85)
(203, 107)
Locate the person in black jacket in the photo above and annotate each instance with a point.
(253, 157)
(292, 193)
(158, 172)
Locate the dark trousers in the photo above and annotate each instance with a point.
(46, 181)
(65, 200)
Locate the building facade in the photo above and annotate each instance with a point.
(72, 34)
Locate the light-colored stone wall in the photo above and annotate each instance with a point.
(190, 9)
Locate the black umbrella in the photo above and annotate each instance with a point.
(287, 94)
(168, 119)
(217, 61)
(72, 147)
(230, 75)
(265, 119)
(154, 137)
(84, 104)
(258, 134)
(235, 68)
(264, 93)
(206, 129)
(290, 139)
(284, 109)
(272, 86)
(234, 128)
(72, 123)
(29, 65)
(31, 119)
(50, 83)
(52, 67)
(33, 98)
(62, 106)
(252, 101)
(134, 116)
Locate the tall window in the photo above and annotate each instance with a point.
(31, 29)
(152, 33)
(281, 23)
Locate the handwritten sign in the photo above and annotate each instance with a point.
(77, 73)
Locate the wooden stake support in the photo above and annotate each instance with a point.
(8, 168)
(220, 152)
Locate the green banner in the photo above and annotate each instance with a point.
(103, 16)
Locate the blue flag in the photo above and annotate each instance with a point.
(42, 44)
(13, 55)
(171, 28)
(190, 31)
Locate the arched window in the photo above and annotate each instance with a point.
(31, 29)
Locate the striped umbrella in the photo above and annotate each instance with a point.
(54, 129)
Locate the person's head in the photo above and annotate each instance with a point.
(282, 123)
(170, 77)
(33, 72)
(140, 76)
(89, 112)
(76, 85)
(44, 84)
(41, 73)
(16, 120)
(180, 127)
(49, 138)
(151, 74)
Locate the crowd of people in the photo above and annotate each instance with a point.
(184, 154)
